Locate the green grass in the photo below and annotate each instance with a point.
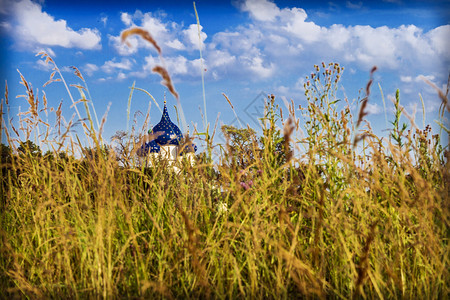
(349, 215)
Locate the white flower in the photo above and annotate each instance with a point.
(222, 207)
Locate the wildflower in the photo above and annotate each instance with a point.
(222, 207)
(244, 185)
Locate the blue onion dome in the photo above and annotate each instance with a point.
(168, 133)
(190, 147)
(151, 147)
(187, 146)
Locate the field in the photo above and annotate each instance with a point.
(349, 215)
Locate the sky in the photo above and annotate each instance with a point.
(250, 48)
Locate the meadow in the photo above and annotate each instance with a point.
(337, 213)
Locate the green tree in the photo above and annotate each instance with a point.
(96, 153)
(30, 149)
(6, 168)
(6, 154)
(240, 145)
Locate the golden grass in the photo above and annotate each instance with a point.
(333, 220)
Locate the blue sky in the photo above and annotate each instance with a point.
(250, 48)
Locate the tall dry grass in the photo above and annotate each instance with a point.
(349, 215)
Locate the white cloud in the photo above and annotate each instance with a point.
(352, 5)
(256, 64)
(121, 76)
(218, 58)
(155, 26)
(375, 46)
(66, 69)
(245, 40)
(47, 50)
(295, 23)
(418, 78)
(164, 33)
(281, 41)
(177, 66)
(122, 48)
(111, 65)
(41, 65)
(440, 40)
(192, 36)
(337, 36)
(90, 69)
(423, 78)
(126, 19)
(196, 66)
(175, 44)
(406, 47)
(300, 84)
(284, 90)
(37, 27)
(373, 109)
(406, 79)
(5, 26)
(104, 20)
(261, 10)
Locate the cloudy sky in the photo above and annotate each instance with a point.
(250, 48)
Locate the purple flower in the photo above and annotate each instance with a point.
(245, 185)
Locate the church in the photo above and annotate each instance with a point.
(166, 142)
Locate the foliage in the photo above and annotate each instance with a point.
(240, 145)
(29, 148)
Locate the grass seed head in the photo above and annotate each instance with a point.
(167, 81)
(143, 34)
